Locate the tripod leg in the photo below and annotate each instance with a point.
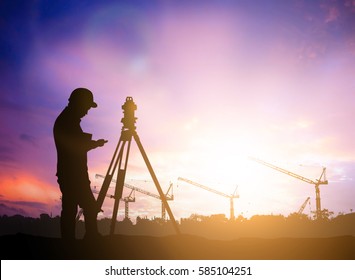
(110, 172)
(118, 196)
(121, 174)
(156, 182)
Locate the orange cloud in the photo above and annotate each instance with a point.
(28, 194)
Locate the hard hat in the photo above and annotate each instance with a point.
(83, 96)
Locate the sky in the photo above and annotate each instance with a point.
(215, 82)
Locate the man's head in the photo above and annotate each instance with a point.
(81, 99)
(82, 96)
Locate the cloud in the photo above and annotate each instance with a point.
(25, 208)
(33, 204)
(6, 155)
(28, 138)
(10, 211)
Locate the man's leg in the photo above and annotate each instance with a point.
(68, 215)
(89, 205)
(91, 224)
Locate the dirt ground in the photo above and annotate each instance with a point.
(173, 247)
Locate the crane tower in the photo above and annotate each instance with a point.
(321, 181)
(231, 197)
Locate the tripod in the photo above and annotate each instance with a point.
(120, 160)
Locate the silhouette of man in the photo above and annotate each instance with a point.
(72, 145)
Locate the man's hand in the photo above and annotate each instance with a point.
(101, 142)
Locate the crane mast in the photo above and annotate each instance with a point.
(127, 200)
(321, 181)
(231, 197)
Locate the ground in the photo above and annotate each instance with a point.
(172, 247)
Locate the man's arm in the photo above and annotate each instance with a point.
(100, 142)
(92, 144)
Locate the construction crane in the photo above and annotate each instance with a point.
(231, 197)
(126, 200)
(130, 198)
(168, 195)
(321, 181)
(300, 211)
